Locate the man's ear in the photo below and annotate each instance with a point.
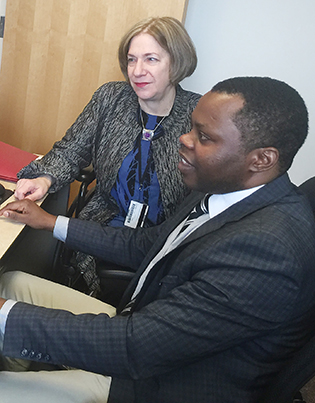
(263, 159)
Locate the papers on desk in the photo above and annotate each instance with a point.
(13, 159)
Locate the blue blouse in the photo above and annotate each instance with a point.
(142, 187)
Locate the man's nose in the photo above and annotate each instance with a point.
(186, 140)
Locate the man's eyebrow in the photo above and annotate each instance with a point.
(199, 125)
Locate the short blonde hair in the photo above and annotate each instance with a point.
(172, 37)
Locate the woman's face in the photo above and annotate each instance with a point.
(149, 70)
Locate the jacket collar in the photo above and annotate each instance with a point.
(271, 193)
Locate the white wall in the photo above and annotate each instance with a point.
(273, 38)
(2, 14)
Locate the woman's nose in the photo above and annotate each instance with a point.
(138, 68)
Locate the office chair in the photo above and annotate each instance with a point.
(301, 368)
(295, 375)
(308, 188)
(86, 177)
(114, 279)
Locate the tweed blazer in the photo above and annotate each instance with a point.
(104, 134)
(216, 318)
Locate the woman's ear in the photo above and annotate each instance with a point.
(263, 159)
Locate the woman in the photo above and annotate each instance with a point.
(129, 131)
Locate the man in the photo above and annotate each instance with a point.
(215, 309)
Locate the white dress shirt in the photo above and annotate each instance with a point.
(217, 203)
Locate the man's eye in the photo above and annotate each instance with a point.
(203, 136)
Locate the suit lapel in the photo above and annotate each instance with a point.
(270, 193)
(167, 227)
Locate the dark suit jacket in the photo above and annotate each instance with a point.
(217, 317)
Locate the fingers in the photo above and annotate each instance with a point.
(2, 301)
(29, 213)
(37, 195)
(14, 216)
(14, 210)
(8, 206)
(32, 189)
(24, 187)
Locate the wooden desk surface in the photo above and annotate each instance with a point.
(8, 230)
(23, 248)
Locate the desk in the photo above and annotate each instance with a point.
(23, 248)
(8, 230)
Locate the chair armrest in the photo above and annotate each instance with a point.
(115, 274)
(86, 175)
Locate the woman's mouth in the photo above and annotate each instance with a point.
(141, 85)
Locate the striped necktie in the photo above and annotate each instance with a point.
(201, 208)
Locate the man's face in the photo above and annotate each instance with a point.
(212, 158)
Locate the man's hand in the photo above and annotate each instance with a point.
(2, 301)
(33, 189)
(29, 213)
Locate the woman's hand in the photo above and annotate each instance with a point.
(29, 213)
(32, 189)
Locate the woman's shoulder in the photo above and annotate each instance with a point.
(189, 95)
(113, 88)
(185, 100)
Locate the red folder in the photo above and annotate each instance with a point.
(13, 159)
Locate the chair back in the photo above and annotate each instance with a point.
(308, 188)
(301, 368)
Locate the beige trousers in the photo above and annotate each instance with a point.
(51, 386)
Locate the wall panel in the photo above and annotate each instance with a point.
(55, 55)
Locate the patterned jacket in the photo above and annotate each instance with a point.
(103, 134)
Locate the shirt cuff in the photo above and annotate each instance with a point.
(61, 228)
(4, 312)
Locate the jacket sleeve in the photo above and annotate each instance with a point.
(124, 246)
(75, 150)
(225, 302)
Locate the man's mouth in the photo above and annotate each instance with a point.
(185, 166)
(184, 161)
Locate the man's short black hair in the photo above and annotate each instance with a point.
(274, 115)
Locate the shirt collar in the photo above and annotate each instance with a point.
(220, 202)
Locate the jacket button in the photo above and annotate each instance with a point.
(24, 352)
(31, 354)
(39, 356)
(47, 357)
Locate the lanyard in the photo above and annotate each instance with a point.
(148, 165)
(150, 156)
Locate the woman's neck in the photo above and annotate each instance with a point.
(160, 107)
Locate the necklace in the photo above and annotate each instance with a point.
(146, 133)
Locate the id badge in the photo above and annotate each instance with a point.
(136, 215)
